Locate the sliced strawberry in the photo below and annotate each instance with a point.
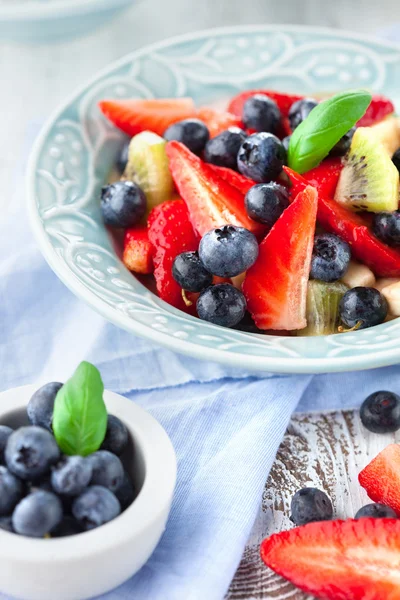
(237, 180)
(217, 121)
(381, 478)
(138, 251)
(212, 202)
(276, 285)
(353, 228)
(170, 233)
(134, 116)
(379, 108)
(339, 560)
(284, 101)
(325, 177)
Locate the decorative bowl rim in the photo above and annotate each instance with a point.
(35, 11)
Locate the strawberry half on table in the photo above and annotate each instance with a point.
(381, 478)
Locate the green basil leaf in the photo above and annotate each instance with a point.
(80, 415)
(315, 137)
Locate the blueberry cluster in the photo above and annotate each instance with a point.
(44, 493)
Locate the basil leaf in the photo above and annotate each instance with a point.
(313, 139)
(80, 415)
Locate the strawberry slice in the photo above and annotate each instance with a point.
(353, 228)
(134, 116)
(339, 560)
(379, 108)
(138, 251)
(276, 285)
(325, 177)
(212, 202)
(170, 233)
(381, 477)
(284, 101)
(218, 121)
(237, 180)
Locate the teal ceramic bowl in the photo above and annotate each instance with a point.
(77, 147)
(54, 20)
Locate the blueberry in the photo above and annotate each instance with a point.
(380, 412)
(37, 514)
(396, 159)
(107, 469)
(265, 202)
(122, 158)
(117, 436)
(228, 251)
(330, 258)
(190, 273)
(376, 511)
(221, 304)
(123, 204)
(286, 142)
(261, 113)
(5, 433)
(125, 492)
(386, 227)
(6, 524)
(11, 491)
(261, 157)
(95, 506)
(40, 406)
(191, 132)
(310, 504)
(30, 452)
(343, 144)
(223, 149)
(68, 526)
(363, 307)
(71, 475)
(300, 110)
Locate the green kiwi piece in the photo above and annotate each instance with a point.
(322, 310)
(369, 180)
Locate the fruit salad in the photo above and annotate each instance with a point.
(277, 215)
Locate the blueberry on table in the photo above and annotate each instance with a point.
(380, 412)
(116, 439)
(11, 491)
(125, 492)
(5, 433)
(261, 157)
(265, 202)
(190, 273)
(343, 145)
(386, 227)
(363, 307)
(300, 110)
(222, 150)
(71, 475)
(107, 469)
(228, 250)
(68, 526)
(221, 304)
(376, 511)
(37, 514)
(330, 258)
(310, 504)
(190, 132)
(30, 452)
(122, 158)
(123, 204)
(396, 159)
(261, 113)
(40, 406)
(6, 524)
(95, 506)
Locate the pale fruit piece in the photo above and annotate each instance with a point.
(114, 175)
(385, 282)
(148, 167)
(237, 281)
(322, 310)
(358, 275)
(369, 180)
(392, 295)
(388, 133)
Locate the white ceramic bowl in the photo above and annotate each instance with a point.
(94, 562)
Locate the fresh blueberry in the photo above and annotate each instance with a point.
(261, 113)
(330, 258)
(95, 506)
(396, 159)
(125, 492)
(6, 524)
(107, 469)
(228, 251)
(221, 304)
(5, 433)
(300, 110)
(376, 511)
(37, 514)
(286, 142)
(191, 132)
(380, 412)
(190, 273)
(123, 204)
(363, 307)
(222, 150)
(40, 406)
(11, 491)
(71, 475)
(122, 158)
(261, 157)
(30, 452)
(68, 526)
(117, 436)
(310, 504)
(343, 144)
(265, 202)
(386, 227)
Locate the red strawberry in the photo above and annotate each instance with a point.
(379, 108)
(138, 251)
(217, 121)
(134, 116)
(381, 478)
(284, 101)
(353, 228)
(325, 177)
(170, 233)
(276, 285)
(239, 181)
(211, 201)
(339, 560)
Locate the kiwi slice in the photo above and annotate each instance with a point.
(369, 179)
(322, 311)
(148, 167)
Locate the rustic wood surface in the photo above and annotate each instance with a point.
(326, 451)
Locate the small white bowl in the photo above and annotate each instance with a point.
(94, 562)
